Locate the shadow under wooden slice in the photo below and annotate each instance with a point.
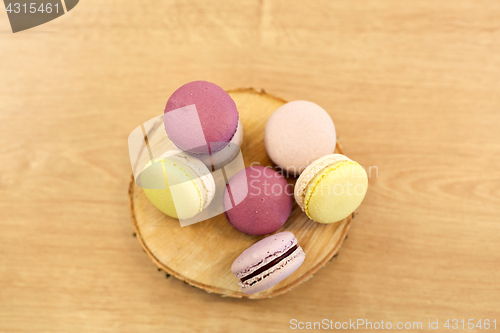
(201, 254)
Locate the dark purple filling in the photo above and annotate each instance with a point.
(269, 265)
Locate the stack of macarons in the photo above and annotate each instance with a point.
(202, 121)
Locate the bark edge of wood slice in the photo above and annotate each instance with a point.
(202, 254)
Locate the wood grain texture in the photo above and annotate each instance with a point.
(202, 254)
(413, 89)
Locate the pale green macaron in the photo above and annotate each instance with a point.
(331, 188)
(178, 184)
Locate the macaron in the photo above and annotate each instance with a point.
(268, 262)
(298, 133)
(331, 188)
(178, 184)
(200, 118)
(225, 156)
(258, 200)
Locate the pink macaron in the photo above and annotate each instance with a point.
(267, 203)
(297, 134)
(268, 262)
(200, 118)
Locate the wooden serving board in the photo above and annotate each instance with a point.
(201, 254)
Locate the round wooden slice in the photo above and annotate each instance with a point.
(201, 254)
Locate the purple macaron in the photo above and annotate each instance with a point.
(267, 262)
(266, 206)
(200, 118)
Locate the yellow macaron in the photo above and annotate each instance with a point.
(331, 188)
(178, 184)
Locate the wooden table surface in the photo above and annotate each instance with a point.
(413, 89)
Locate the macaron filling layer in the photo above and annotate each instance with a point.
(270, 264)
(276, 254)
(281, 264)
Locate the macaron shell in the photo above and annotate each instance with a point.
(267, 204)
(210, 127)
(336, 192)
(311, 171)
(298, 133)
(276, 276)
(198, 170)
(265, 248)
(180, 197)
(226, 155)
(160, 198)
